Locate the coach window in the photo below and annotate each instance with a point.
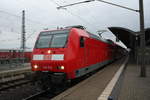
(81, 42)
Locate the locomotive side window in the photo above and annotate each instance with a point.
(81, 42)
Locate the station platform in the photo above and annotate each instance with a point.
(10, 71)
(133, 86)
(7, 67)
(11, 74)
(97, 87)
(102, 86)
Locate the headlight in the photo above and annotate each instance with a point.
(49, 51)
(61, 67)
(35, 66)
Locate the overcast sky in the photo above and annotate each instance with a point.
(42, 14)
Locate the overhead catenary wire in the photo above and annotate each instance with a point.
(17, 16)
(118, 5)
(12, 27)
(29, 36)
(88, 9)
(59, 7)
(83, 20)
(91, 16)
(87, 1)
(10, 39)
(31, 21)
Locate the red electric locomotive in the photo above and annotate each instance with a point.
(69, 53)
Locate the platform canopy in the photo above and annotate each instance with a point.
(127, 36)
(130, 38)
(147, 36)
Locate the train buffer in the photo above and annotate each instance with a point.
(117, 81)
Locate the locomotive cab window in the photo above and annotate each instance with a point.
(59, 40)
(81, 42)
(52, 39)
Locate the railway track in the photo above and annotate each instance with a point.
(50, 93)
(21, 89)
(42, 95)
(13, 84)
(13, 78)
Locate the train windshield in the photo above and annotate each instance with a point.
(44, 41)
(56, 39)
(59, 40)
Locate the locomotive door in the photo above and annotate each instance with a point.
(86, 55)
(83, 47)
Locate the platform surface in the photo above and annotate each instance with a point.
(9, 68)
(91, 88)
(133, 86)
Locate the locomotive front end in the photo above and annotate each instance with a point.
(48, 57)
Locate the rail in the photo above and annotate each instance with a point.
(11, 75)
(37, 95)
